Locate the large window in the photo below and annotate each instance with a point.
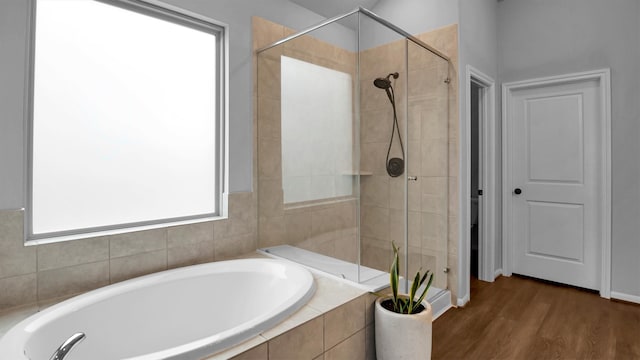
(127, 117)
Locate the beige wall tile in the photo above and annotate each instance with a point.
(242, 213)
(17, 291)
(269, 159)
(137, 242)
(189, 234)
(434, 230)
(353, 348)
(15, 258)
(69, 253)
(303, 342)
(375, 222)
(324, 221)
(260, 352)
(272, 231)
(300, 317)
(396, 226)
(238, 350)
(192, 254)
(270, 197)
(269, 126)
(128, 267)
(435, 160)
(72, 280)
(415, 228)
(297, 226)
(376, 254)
(372, 157)
(369, 306)
(265, 32)
(370, 342)
(435, 119)
(344, 321)
(376, 125)
(268, 72)
(375, 190)
(396, 193)
(233, 246)
(220, 229)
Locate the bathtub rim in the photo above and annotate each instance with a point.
(13, 342)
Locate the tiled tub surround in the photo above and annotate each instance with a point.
(337, 323)
(40, 274)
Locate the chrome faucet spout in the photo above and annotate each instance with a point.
(66, 346)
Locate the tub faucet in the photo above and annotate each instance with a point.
(66, 346)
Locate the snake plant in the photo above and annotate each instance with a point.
(407, 304)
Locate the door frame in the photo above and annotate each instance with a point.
(604, 78)
(486, 248)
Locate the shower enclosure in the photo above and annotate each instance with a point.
(353, 149)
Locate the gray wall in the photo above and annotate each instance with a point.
(478, 48)
(236, 13)
(418, 16)
(549, 37)
(412, 16)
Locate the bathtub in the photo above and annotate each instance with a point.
(186, 313)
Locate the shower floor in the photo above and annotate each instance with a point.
(367, 278)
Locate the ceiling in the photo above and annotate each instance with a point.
(331, 8)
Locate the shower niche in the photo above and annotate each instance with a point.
(355, 119)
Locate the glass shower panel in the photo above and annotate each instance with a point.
(353, 151)
(384, 155)
(308, 147)
(428, 181)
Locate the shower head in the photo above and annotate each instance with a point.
(385, 83)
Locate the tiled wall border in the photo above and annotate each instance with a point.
(41, 274)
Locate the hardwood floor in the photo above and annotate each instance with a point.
(521, 318)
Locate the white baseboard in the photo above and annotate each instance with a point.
(440, 303)
(463, 301)
(497, 273)
(625, 297)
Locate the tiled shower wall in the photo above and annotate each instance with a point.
(46, 273)
(432, 156)
(329, 227)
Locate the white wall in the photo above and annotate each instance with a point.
(236, 13)
(548, 37)
(478, 48)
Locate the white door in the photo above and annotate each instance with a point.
(556, 166)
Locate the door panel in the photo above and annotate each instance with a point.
(556, 163)
(554, 126)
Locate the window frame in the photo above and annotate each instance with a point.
(165, 12)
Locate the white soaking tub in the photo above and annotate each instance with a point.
(186, 313)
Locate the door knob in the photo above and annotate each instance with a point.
(517, 191)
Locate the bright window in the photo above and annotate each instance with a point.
(317, 124)
(127, 117)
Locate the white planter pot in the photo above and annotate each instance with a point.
(402, 336)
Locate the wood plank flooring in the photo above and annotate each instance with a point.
(522, 318)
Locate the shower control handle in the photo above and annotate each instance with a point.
(412, 178)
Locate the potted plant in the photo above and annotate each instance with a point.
(402, 321)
